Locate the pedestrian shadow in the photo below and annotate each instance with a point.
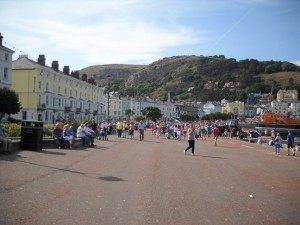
(111, 178)
(159, 142)
(99, 147)
(45, 151)
(213, 157)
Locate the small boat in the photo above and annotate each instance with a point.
(281, 123)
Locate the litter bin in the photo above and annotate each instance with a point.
(31, 135)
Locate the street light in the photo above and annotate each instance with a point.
(108, 107)
(108, 99)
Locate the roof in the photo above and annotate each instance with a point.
(23, 63)
(6, 49)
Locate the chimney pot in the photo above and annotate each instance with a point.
(1, 37)
(66, 70)
(55, 65)
(42, 60)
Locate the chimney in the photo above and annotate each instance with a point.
(66, 70)
(42, 60)
(84, 77)
(91, 81)
(75, 74)
(55, 65)
(1, 37)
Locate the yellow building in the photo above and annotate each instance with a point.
(287, 95)
(236, 108)
(49, 95)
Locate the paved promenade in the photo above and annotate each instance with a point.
(132, 182)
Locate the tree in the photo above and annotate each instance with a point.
(9, 101)
(187, 117)
(139, 118)
(152, 113)
(128, 112)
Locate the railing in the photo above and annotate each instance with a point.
(78, 110)
(41, 107)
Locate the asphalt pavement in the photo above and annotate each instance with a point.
(123, 181)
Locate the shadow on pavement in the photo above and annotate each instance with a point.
(213, 157)
(111, 178)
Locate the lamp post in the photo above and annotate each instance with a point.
(108, 99)
(108, 107)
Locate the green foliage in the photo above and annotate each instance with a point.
(152, 113)
(12, 130)
(187, 117)
(179, 73)
(9, 101)
(47, 129)
(217, 116)
(139, 118)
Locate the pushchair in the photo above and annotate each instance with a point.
(103, 134)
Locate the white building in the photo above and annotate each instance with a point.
(5, 65)
(295, 109)
(279, 107)
(211, 107)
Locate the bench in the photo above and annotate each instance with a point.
(50, 143)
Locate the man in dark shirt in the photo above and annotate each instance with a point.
(290, 142)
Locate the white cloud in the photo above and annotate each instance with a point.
(99, 32)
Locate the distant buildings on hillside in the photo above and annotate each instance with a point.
(49, 95)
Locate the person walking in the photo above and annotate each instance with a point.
(7, 144)
(216, 134)
(131, 130)
(277, 143)
(141, 128)
(119, 128)
(191, 138)
(125, 129)
(290, 142)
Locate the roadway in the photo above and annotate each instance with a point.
(123, 181)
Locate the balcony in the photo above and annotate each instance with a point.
(67, 109)
(41, 107)
(87, 112)
(95, 112)
(78, 110)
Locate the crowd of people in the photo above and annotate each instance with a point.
(64, 137)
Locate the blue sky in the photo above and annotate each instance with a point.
(95, 32)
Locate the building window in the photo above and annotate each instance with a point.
(5, 73)
(24, 115)
(6, 56)
(47, 87)
(40, 84)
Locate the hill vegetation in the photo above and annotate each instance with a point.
(185, 78)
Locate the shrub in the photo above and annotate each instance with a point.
(12, 130)
(47, 129)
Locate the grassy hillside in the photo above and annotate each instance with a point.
(282, 78)
(185, 76)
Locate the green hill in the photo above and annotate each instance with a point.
(185, 77)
